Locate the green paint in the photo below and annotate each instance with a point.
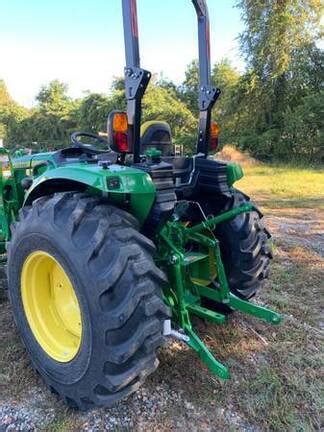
(210, 223)
(136, 188)
(153, 153)
(192, 259)
(9, 197)
(206, 356)
(136, 191)
(202, 312)
(234, 172)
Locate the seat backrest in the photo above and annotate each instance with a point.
(156, 134)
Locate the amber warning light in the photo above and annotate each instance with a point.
(214, 133)
(118, 131)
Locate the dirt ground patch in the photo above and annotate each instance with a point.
(297, 227)
(275, 384)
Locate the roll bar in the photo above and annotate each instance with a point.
(137, 79)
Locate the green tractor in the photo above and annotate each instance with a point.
(113, 246)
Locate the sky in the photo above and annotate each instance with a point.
(80, 42)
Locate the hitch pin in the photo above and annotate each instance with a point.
(169, 331)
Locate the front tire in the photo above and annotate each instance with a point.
(118, 290)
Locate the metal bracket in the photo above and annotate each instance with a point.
(136, 81)
(208, 95)
(169, 331)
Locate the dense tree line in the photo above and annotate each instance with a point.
(275, 109)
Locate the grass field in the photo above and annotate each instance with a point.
(276, 371)
(284, 187)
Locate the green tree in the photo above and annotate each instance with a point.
(51, 123)
(53, 99)
(5, 98)
(11, 116)
(118, 84)
(189, 88)
(92, 112)
(161, 104)
(276, 35)
(170, 86)
(226, 78)
(303, 133)
(94, 109)
(5, 105)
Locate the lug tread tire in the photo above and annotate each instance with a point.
(125, 288)
(245, 249)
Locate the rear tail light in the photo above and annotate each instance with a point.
(118, 132)
(120, 142)
(214, 133)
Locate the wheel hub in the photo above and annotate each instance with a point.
(51, 306)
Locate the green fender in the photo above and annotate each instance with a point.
(124, 186)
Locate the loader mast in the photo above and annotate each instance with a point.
(137, 79)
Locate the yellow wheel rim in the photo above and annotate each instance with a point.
(51, 306)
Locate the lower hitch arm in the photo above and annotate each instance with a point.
(188, 293)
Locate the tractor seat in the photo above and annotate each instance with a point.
(156, 134)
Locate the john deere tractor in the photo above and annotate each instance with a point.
(114, 245)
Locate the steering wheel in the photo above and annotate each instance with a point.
(90, 148)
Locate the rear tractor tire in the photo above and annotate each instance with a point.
(245, 245)
(86, 297)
